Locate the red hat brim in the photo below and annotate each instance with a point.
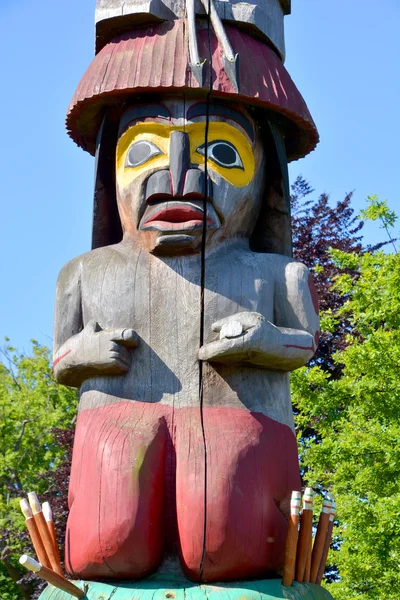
(155, 59)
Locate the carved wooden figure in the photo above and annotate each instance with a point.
(182, 324)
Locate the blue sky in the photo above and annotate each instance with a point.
(343, 55)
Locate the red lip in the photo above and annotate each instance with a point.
(177, 216)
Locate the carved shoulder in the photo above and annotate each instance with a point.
(68, 319)
(74, 269)
(296, 299)
(281, 266)
(69, 273)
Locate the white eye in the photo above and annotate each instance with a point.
(140, 152)
(223, 153)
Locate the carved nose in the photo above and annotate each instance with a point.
(179, 160)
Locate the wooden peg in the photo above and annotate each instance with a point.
(51, 577)
(291, 539)
(327, 544)
(307, 570)
(34, 533)
(305, 535)
(320, 538)
(48, 515)
(44, 532)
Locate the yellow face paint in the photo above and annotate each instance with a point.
(158, 136)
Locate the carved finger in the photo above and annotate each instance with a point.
(118, 362)
(92, 326)
(222, 350)
(121, 353)
(246, 319)
(126, 337)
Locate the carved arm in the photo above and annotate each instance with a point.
(289, 343)
(82, 352)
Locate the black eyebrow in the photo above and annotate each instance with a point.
(220, 110)
(142, 111)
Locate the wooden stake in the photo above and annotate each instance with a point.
(291, 539)
(34, 533)
(51, 577)
(307, 570)
(327, 544)
(320, 538)
(44, 532)
(305, 535)
(48, 515)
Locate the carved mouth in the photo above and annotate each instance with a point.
(176, 216)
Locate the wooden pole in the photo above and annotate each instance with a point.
(51, 577)
(291, 539)
(307, 570)
(327, 544)
(44, 532)
(305, 535)
(320, 538)
(34, 533)
(48, 515)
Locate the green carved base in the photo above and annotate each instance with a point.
(171, 589)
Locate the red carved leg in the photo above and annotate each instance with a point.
(116, 524)
(190, 477)
(252, 468)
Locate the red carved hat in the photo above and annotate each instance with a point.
(156, 59)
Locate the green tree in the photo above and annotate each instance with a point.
(33, 408)
(355, 452)
(379, 209)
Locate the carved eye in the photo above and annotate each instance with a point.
(140, 152)
(223, 153)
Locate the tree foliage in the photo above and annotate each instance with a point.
(355, 452)
(317, 226)
(379, 210)
(37, 417)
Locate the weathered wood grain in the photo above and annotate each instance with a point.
(157, 58)
(264, 16)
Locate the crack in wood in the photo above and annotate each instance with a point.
(202, 292)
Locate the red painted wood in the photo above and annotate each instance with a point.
(252, 466)
(299, 347)
(156, 58)
(117, 492)
(136, 465)
(59, 358)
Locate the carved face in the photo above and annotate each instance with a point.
(161, 164)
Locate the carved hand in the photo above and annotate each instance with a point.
(94, 351)
(108, 348)
(248, 338)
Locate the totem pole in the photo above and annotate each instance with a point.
(182, 324)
